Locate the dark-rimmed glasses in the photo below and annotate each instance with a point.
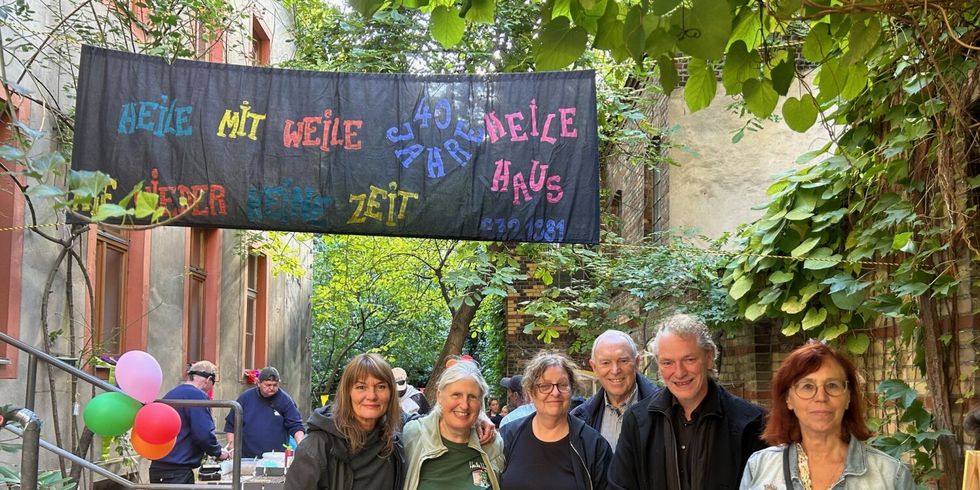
(547, 388)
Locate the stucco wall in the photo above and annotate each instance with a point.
(289, 317)
(714, 189)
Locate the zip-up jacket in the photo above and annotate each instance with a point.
(592, 452)
(323, 459)
(646, 456)
(591, 411)
(423, 442)
(196, 437)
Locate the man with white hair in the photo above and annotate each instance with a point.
(614, 361)
(693, 435)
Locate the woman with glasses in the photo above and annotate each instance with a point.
(816, 428)
(550, 448)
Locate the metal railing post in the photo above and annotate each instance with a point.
(31, 382)
(30, 451)
(32, 432)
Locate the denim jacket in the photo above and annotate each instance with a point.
(865, 467)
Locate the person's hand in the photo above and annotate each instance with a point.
(485, 430)
(225, 454)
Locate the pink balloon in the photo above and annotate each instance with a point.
(157, 423)
(139, 375)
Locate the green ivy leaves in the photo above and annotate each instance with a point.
(560, 45)
(701, 85)
(705, 28)
(366, 8)
(446, 26)
(760, 98)
(800, 114)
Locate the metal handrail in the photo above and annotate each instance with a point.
(30, 456)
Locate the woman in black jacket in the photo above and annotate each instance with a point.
(550, 448)
(354, 443)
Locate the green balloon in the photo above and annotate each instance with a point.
(111, 414)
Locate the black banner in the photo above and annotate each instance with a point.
(509, 157)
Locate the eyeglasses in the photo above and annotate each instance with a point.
(808, 389)
(547, 388)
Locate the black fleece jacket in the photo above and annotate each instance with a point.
(323, 460)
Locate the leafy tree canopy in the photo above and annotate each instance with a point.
(881, 223)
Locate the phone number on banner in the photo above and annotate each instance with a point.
(539, 230)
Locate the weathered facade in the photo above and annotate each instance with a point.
(180, 294)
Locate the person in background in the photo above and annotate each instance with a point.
(817, 427)
(412, 400)
(694, 434)
(504, 410)
(269, 417)
(614, 361)
(493, 411)
(550, 448)
(196, 437)
(354, 443)
(518, 406)
(444, 451)
(971, 425)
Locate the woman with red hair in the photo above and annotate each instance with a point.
(817, 429)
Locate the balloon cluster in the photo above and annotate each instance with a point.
(155, 425)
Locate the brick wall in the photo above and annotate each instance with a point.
(639, 194)
(750, 357)
(521, 347)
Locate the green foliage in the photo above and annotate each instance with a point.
(46, 480)
(367, 297)
(560, 45)
(88, 194)
(430, 37)
(914, 436)
(660, 279)
(397, 297)
(487, 341)
(281, 248)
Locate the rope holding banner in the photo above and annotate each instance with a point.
(28, 227)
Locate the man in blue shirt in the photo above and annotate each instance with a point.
(196, 436)
(519, 407)
(269, 417)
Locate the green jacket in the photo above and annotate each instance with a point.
(424, 442)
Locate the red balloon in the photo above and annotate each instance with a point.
(151, 451)
(157, 423)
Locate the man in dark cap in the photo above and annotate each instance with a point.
(269, 417)
(519, 408)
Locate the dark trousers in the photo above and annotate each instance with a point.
(181, 475)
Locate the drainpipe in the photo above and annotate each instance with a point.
(30, 452)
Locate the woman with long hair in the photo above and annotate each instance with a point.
(817, 430)
(354, 443)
